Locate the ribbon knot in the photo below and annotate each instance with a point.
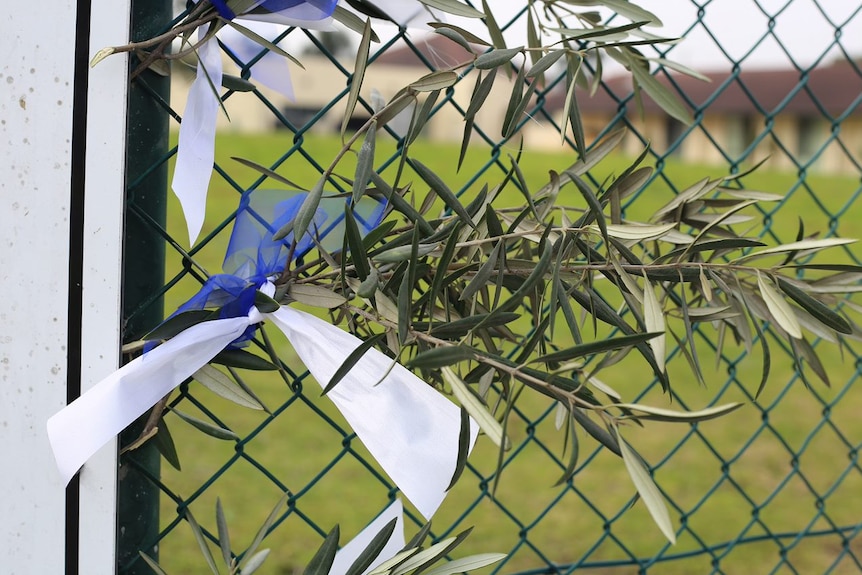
(411, 429)
(253, 257)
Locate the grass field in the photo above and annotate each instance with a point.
(777, 466)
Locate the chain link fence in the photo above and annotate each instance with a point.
(775, 487)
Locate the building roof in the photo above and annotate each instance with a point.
(436, 49)
(834, 90)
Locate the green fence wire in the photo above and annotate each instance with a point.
(773, 488)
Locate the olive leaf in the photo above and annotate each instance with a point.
(647, 489)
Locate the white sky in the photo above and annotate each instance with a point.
(738, 24)
(802, 26)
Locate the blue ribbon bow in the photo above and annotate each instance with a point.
(253, 257)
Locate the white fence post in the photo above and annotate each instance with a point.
(37, 85)
(103, 251)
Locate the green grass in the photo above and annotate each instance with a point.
(298, 445)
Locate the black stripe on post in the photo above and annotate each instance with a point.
(76, 257)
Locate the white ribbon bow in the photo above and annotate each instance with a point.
(408, 427)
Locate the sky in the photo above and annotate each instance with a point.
(806, 29)
(758, 33)
(803, 26)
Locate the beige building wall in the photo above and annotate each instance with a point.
(316, 86)
(320, 82)
(651, 127)
(784, 136)
(698, 148)
(850, 135)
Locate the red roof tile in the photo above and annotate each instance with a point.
(833, 89)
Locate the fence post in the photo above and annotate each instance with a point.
(102, 244)
(36, 94)
(60, 273)
(143, 276)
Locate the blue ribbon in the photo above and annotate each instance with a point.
(301, 9)
(307, 9)
(222, 9)
(253, 256)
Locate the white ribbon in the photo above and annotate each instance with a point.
(196, 147)
(351, 551)
(85, 425)
(411, 429)
(272, 69)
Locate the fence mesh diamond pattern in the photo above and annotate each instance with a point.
(775, 487)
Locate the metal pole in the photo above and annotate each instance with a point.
(143, 276)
